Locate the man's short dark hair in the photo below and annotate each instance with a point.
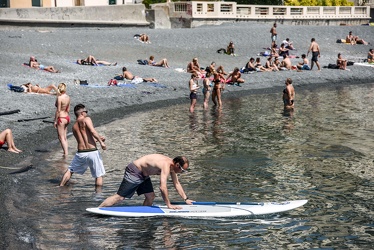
(181, 160)
(77, 108)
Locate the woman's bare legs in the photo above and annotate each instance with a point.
(163, 63)
(219, 98)
(192, 106)
(106, 63)
(62, 127)
(7, 136)
(206, 99)
(51, 69)
(47, 90)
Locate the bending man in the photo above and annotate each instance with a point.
(137, 178)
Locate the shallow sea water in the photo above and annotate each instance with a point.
(250, 151)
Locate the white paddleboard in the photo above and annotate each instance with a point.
(201, 209)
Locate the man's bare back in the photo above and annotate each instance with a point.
(314, 47)
(85, 134)
(128, 75)
(154, 164)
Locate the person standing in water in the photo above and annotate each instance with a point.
(193, 85)
(62, 118)
(88, 155)
(289, 95)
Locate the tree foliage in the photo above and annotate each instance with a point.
(318, 3)
(147, 3)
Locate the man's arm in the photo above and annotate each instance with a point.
(164, 190)
(289, 96)
(179, 189)
(94, 133)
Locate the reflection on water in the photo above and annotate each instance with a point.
(251, 150)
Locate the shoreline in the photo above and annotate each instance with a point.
(61, 46)
(47, 136)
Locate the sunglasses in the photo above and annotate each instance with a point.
(181, 164)
(85, 111)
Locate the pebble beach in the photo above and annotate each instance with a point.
(61, 47)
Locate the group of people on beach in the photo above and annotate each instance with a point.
(137, 173)
(214, 78)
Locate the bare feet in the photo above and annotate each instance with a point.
(13, 150)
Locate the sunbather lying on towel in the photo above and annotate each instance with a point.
(134, 79)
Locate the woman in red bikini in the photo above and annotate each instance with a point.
(62, 118)
(7, 137)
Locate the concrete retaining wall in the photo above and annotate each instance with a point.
(118, 15)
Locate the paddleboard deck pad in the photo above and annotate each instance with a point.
(201, 209)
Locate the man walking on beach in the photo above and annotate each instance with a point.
(137, 178)
(273, 32)
(88, 155)
(314, 47)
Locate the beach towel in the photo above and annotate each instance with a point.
(332, 66)
(180, 70)
(16, 88)
(342, 41)
(265, 53)
(89, 64)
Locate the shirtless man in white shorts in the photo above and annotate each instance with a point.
(88, 155)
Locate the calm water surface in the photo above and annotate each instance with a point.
(250, 151)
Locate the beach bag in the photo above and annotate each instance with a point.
(17, 88)
(142, 62)
(118, 77)
(339, 41)
(267, 53)
(349, 63)
(112, 82)
(80, 82)
(221, 51)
